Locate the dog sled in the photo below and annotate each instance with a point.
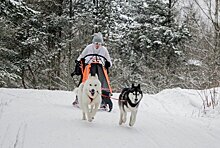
(96, 64)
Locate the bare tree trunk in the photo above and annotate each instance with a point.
(70, 46)
(217, 37)
(214, 43)
(216, 25)
(60, 12)
(96, 3)
(34, 80)
(23, 78)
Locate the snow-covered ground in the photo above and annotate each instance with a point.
(46, 119)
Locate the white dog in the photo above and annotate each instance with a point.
(89, 94)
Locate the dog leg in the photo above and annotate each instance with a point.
(84, 116)
(83, 112)
(133, 118)
(94, 110)
(89, 117)
(124, 116)
(88, 114)
(121, 115)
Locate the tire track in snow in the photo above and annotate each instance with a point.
(19, 142)
(3, 104)
(4, 136)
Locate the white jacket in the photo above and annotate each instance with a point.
(90, 49)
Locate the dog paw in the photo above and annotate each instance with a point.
(120, 122)
(131, 124)
(84, 117)
(124, 120)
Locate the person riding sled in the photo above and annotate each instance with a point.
(95, 59)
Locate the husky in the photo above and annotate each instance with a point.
(89, 94)
(129, 100)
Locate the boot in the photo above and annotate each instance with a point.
(76, 101)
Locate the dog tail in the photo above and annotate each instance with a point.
(78, 89)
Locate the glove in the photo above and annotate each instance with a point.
(72, 74)
(77, 70)
(107, 64)
(78, 63)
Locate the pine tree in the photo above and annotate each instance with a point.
(15, 18)
(150, 40)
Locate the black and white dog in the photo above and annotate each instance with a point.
(129, 100)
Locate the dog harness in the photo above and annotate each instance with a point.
(91, 99)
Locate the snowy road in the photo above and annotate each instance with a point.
(46, 119)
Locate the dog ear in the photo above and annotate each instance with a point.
(132, 85)
(139, 86)
(89, 75)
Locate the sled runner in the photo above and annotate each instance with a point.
(96, 64)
